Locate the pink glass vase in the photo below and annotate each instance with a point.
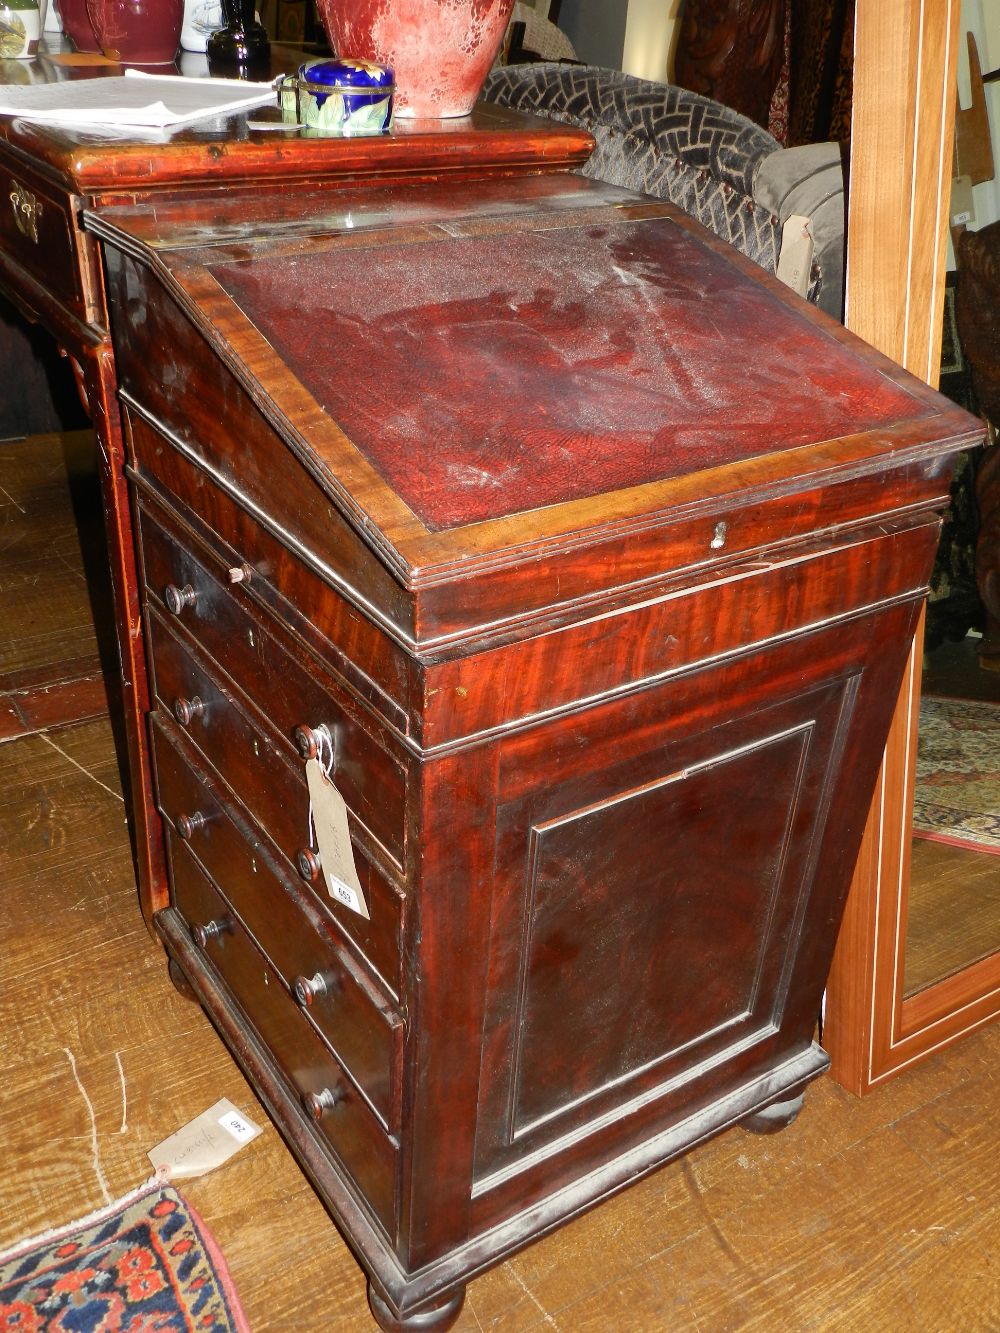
(77, 26)
(440, 51)
(138, 32)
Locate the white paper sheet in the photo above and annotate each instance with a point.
(134, 98)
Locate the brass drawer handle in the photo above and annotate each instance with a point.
(318, 1103)
(27, 211)
(186, 710)
(308, 989)
(178, 598)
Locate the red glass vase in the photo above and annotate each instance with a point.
(440, 51)
(138, 32)
(77, 26)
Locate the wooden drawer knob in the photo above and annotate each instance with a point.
(307, 989)
(309, 739)
(308, 864)
(203, 934)
(186, 710)
(178, 598)
(317, 1104)
(188, 825)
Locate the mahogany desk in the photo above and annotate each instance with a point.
(50, 268)
(586, 558)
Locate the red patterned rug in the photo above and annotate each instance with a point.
(146, 1264)
(957, 796)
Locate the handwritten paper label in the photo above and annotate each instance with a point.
(333, 837)
(203, 1143)
(795, 259)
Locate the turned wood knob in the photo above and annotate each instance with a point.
(305, 739)
(188, 825)
(308, 864)
(317, 1104)
(178, 598)
(308, 989)
(203, 934)
(308, 739)
(186, 710)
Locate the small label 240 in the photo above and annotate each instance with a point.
(240, 1129)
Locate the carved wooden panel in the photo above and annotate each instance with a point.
(731, 51)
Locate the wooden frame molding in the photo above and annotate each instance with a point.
(904, 115)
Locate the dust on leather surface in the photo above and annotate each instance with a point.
(496, 374)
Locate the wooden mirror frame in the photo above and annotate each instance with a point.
(905, 79)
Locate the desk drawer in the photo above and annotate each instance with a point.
(38, 233)
(254, 651)
(354, 1134)
(283, 581)
(364, 1031)
(253, 766)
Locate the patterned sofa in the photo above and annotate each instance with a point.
(713, 163)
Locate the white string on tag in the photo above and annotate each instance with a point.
(326, 746)
(324, 742)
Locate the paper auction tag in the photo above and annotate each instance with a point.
(963, 207)
(203, 1143)
(795, 258)
(333, 837)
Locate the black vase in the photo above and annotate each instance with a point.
(242, 46)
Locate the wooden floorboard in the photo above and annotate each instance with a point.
(54, 593)
(874, 1214)
(880, 1214)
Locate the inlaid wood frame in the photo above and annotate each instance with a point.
(422, 560)
(904, 107)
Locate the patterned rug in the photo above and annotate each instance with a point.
(146, 1264)
(958, 773)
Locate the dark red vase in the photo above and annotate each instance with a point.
(77, 26)
(138, 32)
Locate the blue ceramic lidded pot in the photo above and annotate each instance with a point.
(340, 96)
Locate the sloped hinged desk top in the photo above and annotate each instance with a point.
(498, 375)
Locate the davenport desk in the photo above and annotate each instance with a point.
(525, 581)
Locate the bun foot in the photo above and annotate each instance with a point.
(775, 1117)
(181, 983)
(436, 1317)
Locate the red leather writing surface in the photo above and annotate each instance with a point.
(484, 376)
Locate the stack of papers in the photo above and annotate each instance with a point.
(134, 98)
